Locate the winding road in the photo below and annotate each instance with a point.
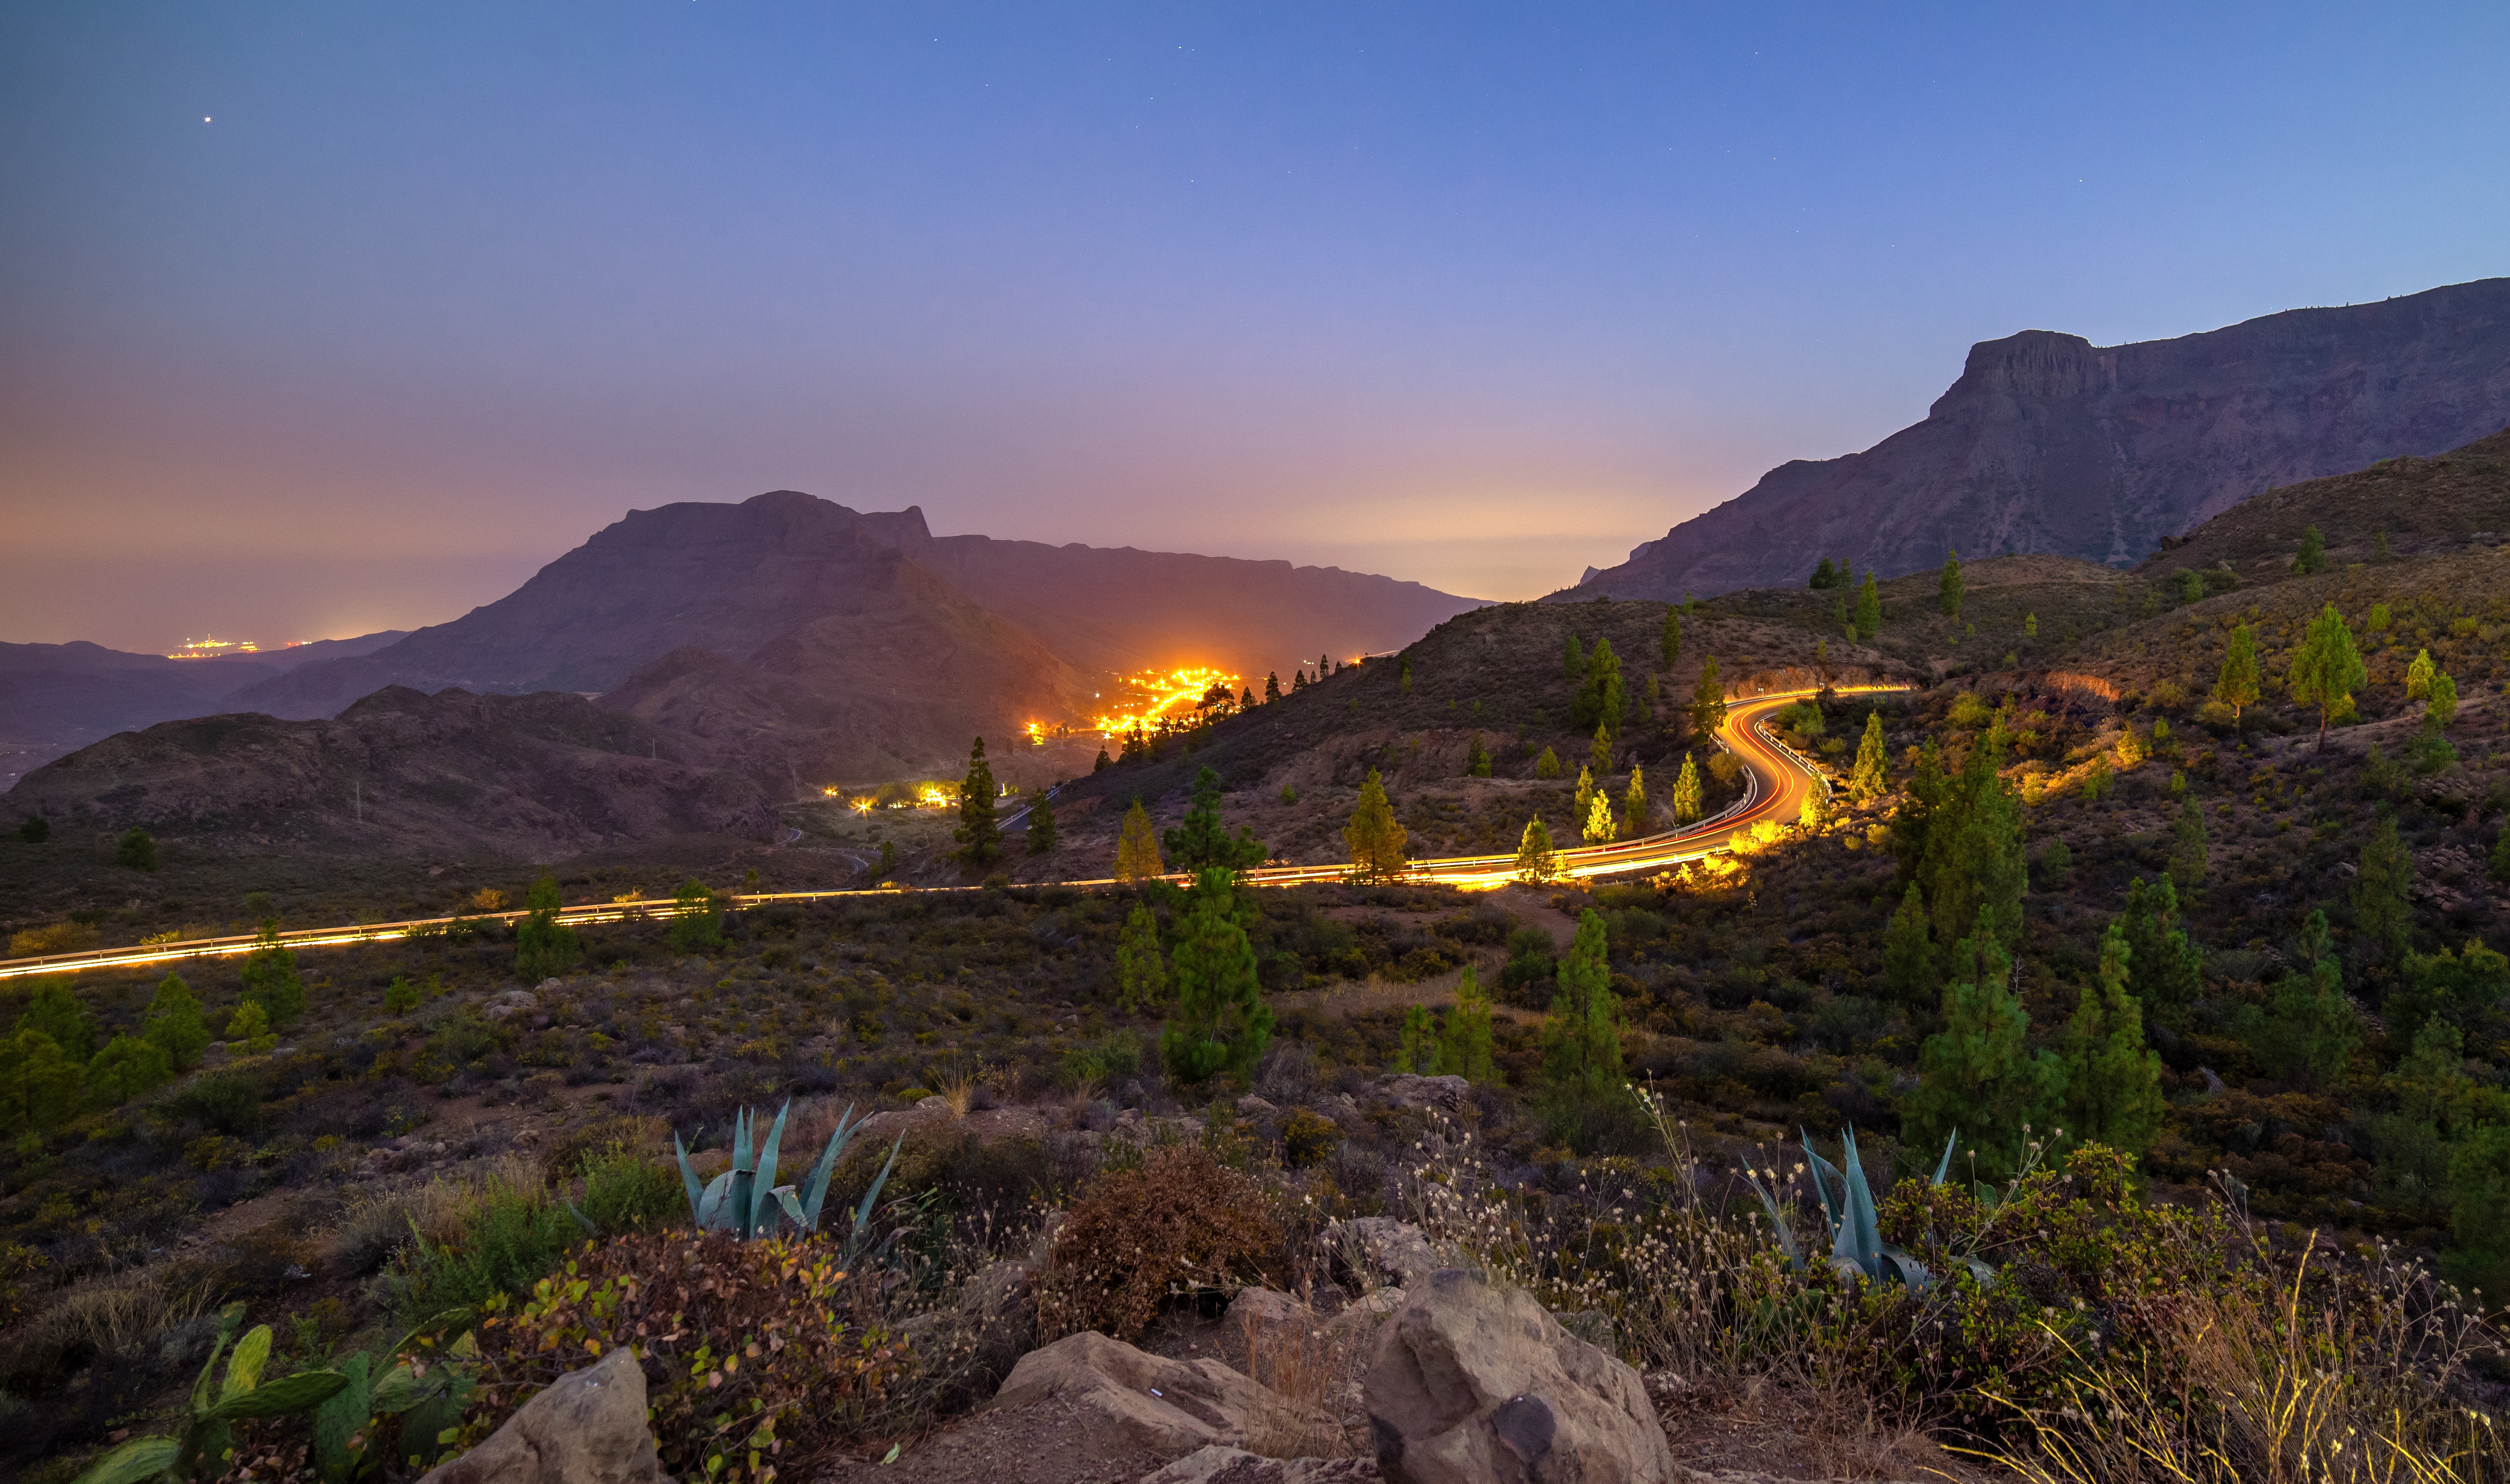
(1780, 779)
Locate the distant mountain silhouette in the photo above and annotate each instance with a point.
(2050, 443)
(67, 695)
(889, 647)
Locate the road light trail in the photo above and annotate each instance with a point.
(1780, 779)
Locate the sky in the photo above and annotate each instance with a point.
(319, 319)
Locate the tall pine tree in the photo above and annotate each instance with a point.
(2328, 669)
(1708, 701)
(1042, 834)
(1978, 1075)
(1868, 781)
(2112, 1081)
(1534, 861)
(1582, 1037)
(1869, 609)
(1948, 590)
(1600, 698)
(1375, 837)
(1668, 639)
(2237, 686)
(1141, 971)
(1202, 842)
(979, 834)
(1464, 1041)
(1685, 792)
(1221, 1022)
(1137, 846)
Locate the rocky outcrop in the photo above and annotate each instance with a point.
(1380, 1249)
(1218, 1464)
(588, 1427)
(2050, 443)
(1473, 1382)
(1137, 1402)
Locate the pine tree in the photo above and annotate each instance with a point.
(1708, 699)
(1103, 762)
(2381, 913)
(2442, 712)
(1601, 697)
(1417, 1051)
(1376, 838)
(543, 949)
(2311, 1027)
(979, 835)
(270, 978)
(1685, 792)
(1582, 1037)
(1634, 805)
(173, 1024)
(1870, 780)
(136, 849)
(1477, 763)
(1978, 1075)
(1534, 861)
(2187, 847)
(1581, 806)
(125, 1068)
(2313, 553)
(55, 1010)
(1042, 836)
(2112, 1081)
(1202, 843)
(1668, 640)
(2238, 687)
(697, 920)
(1298, 680)
(1137, 849)
(1403, 677)
(1464, 1039)
(1599, 821)
(1909, 952)
(1573, 663)
(1141, 971)
(250, 1027)
(1221, 1021)
(2328, 668)
(1949, 586)
(400, 996)
(1869, 609)
(2030, 626)
(1271, 686)
(1973, 869)
(1547, 766)
(2418, 676)
(1823, 575)
(39, 1087)
(1599, 752)
(2163, 967)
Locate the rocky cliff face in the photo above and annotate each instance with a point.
(535, 776)
(2050, 443)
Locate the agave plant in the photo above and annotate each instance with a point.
(1856, 1246)
(746, 1201)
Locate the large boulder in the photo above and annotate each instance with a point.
(1473, 1382)
(1140, 1402)
(587, 1428)
(1382, 1250)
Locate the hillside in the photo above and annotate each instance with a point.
(57, 697)
(536, 777)
(732, 578)
(2049, 443)
(2419, 505)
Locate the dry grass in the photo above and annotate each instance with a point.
(2274, 1392)
(380, 1219)
(126, 1312)
(1311, 1368)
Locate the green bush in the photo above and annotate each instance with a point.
(227, 1103)
(626, 1192)
(513, 1235)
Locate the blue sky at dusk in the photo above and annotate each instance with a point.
(318, 319)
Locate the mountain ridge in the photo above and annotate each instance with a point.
(2047, 443)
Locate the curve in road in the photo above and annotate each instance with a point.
(1780, 780)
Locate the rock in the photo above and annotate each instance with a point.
(936, 1103)
(1254, 1107)
(1383, 1250)
(588, 1427)
(1138, 1401)
(215, 1054)
(1405, 1089)
(513, 1002)
(548, 984)
(1262, 1308)
(1222, 1465)
(1365, 1312)
(1472, 1383)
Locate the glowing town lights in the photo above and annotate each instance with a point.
(1151, 697)
(213, 648)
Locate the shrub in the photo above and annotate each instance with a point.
(626, 1192)
(227, 1103)
(753, 1359)
(1309, 1138)
(508, 1232)
(59, 937)
(136, 849)
(1180, 1223)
